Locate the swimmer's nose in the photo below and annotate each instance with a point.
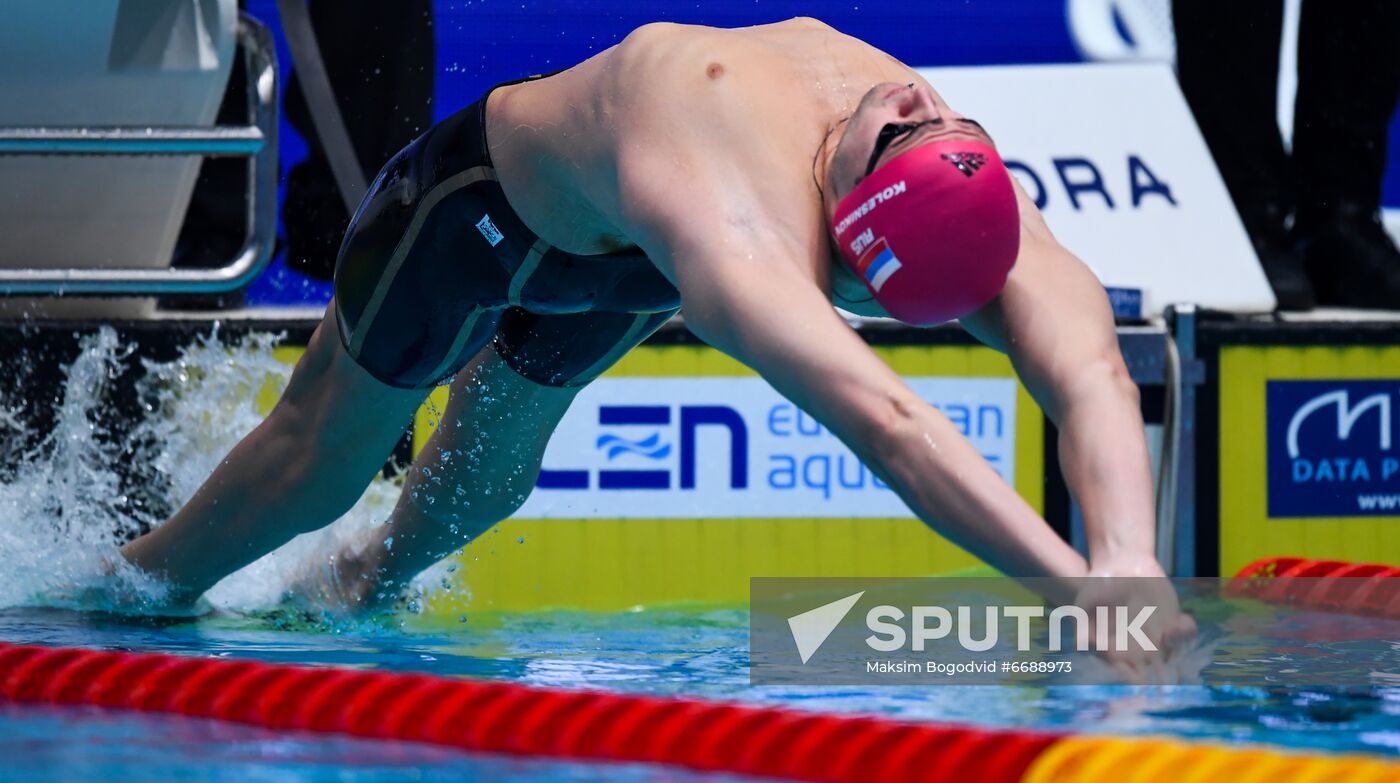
(919, 103)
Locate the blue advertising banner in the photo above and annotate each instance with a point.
(732, 447)
(1332, 448)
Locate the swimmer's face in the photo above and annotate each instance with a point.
(892, 119)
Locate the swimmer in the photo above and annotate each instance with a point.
(753, 178)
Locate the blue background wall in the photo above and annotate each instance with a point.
(482, 42)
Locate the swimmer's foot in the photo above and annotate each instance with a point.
(119, 588)
(344, 583)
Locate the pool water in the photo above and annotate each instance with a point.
(63, 508)
(701, 654)
(44, 744)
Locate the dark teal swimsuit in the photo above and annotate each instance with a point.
(436, 265)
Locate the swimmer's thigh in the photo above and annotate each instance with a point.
(504, 407)
(336, 416)
(481, 461)
(570, 350)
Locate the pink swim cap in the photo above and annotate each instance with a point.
(933, 232)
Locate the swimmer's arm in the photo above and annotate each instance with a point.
(1054, 320)
(733, 229)
(745, 297)
(780, 325)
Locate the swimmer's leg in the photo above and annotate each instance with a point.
(476, 469)
(482, 460)
(301, 468)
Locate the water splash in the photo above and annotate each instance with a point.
(206, 400)
(63, 510)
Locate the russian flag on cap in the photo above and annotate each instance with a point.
(878, 263)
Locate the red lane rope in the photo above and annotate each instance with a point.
(512, 718)
(1332, 585)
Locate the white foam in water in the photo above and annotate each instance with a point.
(62, 514)
(62, 511)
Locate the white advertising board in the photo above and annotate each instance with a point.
(1118, 166)
(734, 447)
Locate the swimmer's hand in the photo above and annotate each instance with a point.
(1137, 584)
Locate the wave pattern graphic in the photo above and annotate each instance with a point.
(651, 448)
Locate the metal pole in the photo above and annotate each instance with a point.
(320, 100)
(1182, 320)
(219, 141)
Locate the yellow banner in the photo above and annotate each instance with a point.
(617, 564)
(1319, 435)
